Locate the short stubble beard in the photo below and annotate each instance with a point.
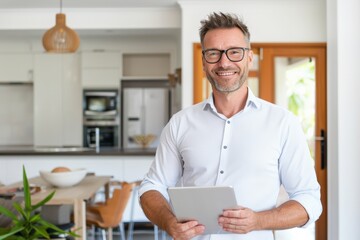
(237, 84)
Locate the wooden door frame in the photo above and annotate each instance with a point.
(198, 74)
(266, 74)
(268, 52)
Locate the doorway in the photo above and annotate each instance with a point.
(294, 76)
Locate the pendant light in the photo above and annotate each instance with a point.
(60, 38)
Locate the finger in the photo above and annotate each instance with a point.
(229, 221)
(238, 213)
(233, 229)
(187, 230)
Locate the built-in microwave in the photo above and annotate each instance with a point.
(101, 118)
(100, 105)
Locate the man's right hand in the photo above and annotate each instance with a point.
(184, 231)
(158, 210)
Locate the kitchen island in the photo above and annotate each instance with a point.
(103, 151)
(123, 165)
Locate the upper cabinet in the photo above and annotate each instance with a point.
(16, 67)
(101, 69)
(146, 65)
(105, 69)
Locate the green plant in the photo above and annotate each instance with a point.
(28, 224)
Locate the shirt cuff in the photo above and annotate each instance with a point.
(312, 206)
(147, 185)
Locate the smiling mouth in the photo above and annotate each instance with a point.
(227, 73)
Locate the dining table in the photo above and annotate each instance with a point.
(75, 195)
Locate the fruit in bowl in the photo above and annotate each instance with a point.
(62, 177)
(144, 139)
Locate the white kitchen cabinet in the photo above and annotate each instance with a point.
(101, 70)
(101, 78)
(146, 65)
(16, 67)
(101, 60)
(57, 100)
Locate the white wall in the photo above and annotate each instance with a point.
(343, 18)
(91, 18)
(268, 21)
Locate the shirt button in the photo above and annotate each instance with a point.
(222, 172)
(225, 147)
(228, 122)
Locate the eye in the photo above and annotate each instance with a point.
(212, 53)
(235, 51)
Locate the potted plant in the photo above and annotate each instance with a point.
(28, 224)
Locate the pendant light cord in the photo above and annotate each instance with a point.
(60, 6)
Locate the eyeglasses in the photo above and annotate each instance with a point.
(233, 54)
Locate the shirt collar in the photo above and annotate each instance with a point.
(251, 101)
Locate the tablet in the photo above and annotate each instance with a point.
(204, 204)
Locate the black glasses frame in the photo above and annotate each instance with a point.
(226, 53)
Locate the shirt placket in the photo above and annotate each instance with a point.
(224, 152)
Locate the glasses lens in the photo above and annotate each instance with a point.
(235, 54)
(212, 56)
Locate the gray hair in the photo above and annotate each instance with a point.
(223, 20)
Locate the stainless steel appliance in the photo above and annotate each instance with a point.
(101, 118)
(100, 105)
(146, 109)
(101, 136)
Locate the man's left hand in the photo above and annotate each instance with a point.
(242, 220)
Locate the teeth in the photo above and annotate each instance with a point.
(225, 73)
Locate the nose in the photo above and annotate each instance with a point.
(224, 60)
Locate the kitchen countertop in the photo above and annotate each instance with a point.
(104, 151)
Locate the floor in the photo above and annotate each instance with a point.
(291, 234)
(142, 236)
(141, 232)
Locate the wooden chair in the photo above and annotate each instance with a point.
(109, 214)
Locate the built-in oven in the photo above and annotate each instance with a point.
(102, 136)
(101, 118)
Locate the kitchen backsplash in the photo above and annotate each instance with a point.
(16, 114)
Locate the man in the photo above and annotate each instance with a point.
(233, 138)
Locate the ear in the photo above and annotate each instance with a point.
(250, 58)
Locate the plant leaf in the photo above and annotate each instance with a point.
(8, 213)
(42, 232)
(23, 212)
(42, 202)
(12, 232)
(29, 225)
(57, 230)
(35, 218)
(26, 187)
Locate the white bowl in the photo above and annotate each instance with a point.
(64, 179)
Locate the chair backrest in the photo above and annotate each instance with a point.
(115, 206)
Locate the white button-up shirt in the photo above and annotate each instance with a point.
(255, 151)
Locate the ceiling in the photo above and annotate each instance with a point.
(28, 4)
(10, 4)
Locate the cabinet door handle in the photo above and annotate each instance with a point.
(323, 146)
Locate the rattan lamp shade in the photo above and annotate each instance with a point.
(60, 38)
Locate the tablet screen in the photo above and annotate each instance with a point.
(204, 204)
